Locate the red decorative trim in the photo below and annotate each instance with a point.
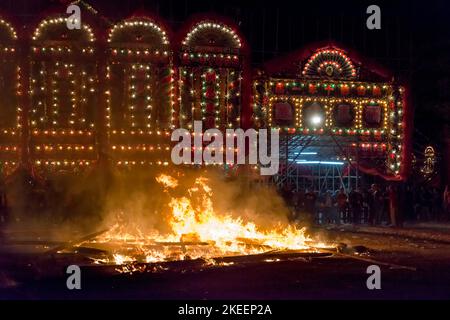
(289, 63)
(407, 125)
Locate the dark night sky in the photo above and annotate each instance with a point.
(414, 41)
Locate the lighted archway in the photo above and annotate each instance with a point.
(55, 29)
(211, 34)
(212, 64)
(141, 91)
(64, 97)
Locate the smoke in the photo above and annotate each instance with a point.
(138, 201)
(71, 205)
(250, 201)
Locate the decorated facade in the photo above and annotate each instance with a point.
(141, 96)
(212, 60)
(333, 109)
(116, 93)
(64, 97)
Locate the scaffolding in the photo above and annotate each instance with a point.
(318, 163)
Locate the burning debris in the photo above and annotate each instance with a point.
(197, 231)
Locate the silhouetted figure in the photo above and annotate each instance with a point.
(394, 206)
(355, 202)
(367, 204)
(446, 203)
(287, 194)
(328, 209)
(310, 204)
(4, 211)
(408, 203)
(342, 205)
(376, 210)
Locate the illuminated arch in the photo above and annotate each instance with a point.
(140, 30)
(212, 34)
(64, 95)
(141, 92)
(212, 60)
(329, 63)
(55, 29)
(7, 33)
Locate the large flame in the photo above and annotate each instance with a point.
(197, 231)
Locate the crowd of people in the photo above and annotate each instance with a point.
(388, 204)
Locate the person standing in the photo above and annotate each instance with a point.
(310, 204)
(377, 203)
(328, 208)
(342, 204)
(355, 202)
(393, 206)
(408, 203)
(446, 203)
(367, 204)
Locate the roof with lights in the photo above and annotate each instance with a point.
(327, 60)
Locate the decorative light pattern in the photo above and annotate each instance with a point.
(396, 134)
(140, 115)
(210, 94)
(327, 93)
(329, 103)
(331, 63)
(210, 98)
(210, 81)
(63, 96)
(429, 162)
(46, 24)
(223, 59)
(10, 105)
(139, 93)
(8, 26)
(383, 140)
(138, 22)
(205, 25)
(57, 82)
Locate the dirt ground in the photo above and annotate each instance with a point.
(412, 267)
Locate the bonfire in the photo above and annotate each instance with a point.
(197, 231)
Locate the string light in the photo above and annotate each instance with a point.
(10, 133)
(329, 62)
(148, 78)
(329, 104)
(128, 26)
(210, 25)
(207, 85)
(11, 31)
(385, 139)
(62, 93)
(47, 24)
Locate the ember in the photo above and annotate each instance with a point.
(198, 232)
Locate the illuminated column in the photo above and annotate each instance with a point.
(142, 99)
(212, 61)
(103, 94)
(12, 144)
(25, 101)
(64, 96)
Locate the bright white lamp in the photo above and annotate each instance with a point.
(316, 120)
